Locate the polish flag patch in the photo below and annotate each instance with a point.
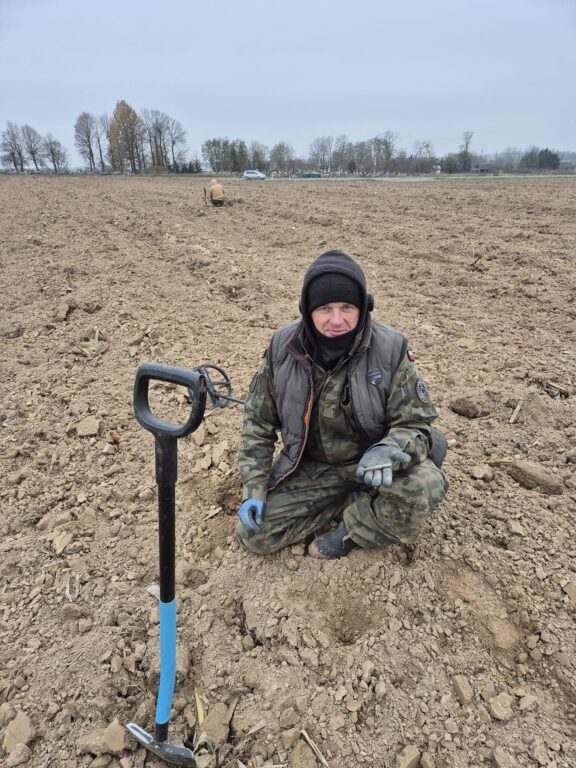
(411, 355)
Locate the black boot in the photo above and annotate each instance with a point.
(332, 545)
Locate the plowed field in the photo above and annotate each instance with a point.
(460, 653)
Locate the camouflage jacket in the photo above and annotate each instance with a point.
(375, 396)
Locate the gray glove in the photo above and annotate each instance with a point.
(379, 463)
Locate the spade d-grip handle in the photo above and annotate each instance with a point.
(165, 433)
(193, 380)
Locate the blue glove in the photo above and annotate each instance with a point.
(251, 514)
(379, 463)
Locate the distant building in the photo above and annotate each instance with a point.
(486, 168)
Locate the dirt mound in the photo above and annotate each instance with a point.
(458, 652)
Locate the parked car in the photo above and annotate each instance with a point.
(258, 175)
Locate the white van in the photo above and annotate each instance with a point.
(258, 175)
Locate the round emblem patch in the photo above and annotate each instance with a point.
(422, 391)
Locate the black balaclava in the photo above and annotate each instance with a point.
(332, 277)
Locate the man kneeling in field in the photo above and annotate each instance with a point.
(355, 419)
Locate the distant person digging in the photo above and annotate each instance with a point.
(217, 196)
(355, 419)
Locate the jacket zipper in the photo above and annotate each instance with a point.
(307, 412)
(353, 409)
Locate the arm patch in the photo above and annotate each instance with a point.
(422, 391)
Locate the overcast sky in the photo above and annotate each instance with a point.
(278, 70)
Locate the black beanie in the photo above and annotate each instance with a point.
(331, 287)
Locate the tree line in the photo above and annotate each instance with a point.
(128, 141)
(21, 145)
(326, 154)
(534, 159)
(124, 142)
(132, 142)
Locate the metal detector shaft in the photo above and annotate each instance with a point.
(166, 435)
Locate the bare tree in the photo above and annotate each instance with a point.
(148, 119)
(384, 148)
(424, 157)
(85, 137)
(156, 127)
(100, 130)
(362, 156)
(328, 144)
(12, 147)
(33, 145)
(177, 140)
(104, 131)
(341, 154)
(321, 152)
(166, 137)
(258, 155)
(55, 153)
(281, 157)
(388, 149)
(316, 152)
(464, 154)
(362, 152)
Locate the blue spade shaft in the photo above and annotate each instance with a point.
(166, 470)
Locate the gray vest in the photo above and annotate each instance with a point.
(370, 371)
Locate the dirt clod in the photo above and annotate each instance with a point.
(532, 476)
(19, 731)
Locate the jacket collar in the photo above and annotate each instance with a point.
(296, 344)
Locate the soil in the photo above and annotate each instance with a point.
(458, 652)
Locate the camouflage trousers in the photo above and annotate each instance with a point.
(316, 494)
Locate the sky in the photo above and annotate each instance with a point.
(272, 70)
